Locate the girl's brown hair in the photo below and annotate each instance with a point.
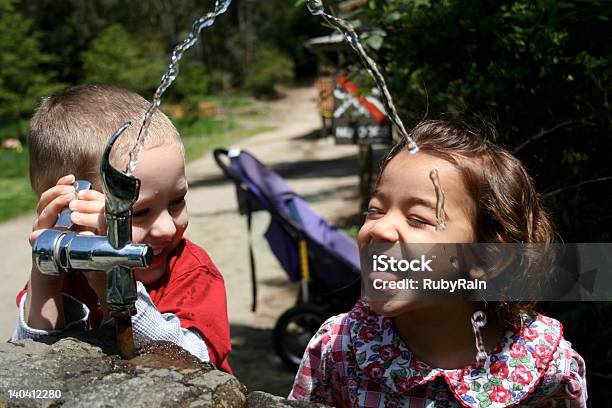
(508, 207)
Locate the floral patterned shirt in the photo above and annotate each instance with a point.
(358, 359)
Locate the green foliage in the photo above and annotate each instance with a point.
(16, 197)
(196, 147)
(13, 164)
(192, 81)
(541, 71)
(24, 73)
(119, 58)
(189, 128)
(271, 67)
(129, 44)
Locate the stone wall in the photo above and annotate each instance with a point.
(85, 371)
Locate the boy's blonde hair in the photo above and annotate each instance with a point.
(70, 129)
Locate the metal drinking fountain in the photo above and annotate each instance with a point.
(57, 252)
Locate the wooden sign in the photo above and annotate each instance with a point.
(358, 119)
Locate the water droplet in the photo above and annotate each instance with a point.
(413, 148)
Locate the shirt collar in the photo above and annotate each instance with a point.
(508, 376)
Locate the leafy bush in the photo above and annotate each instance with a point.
(24, 72)
(192, 82)
(190, 87)
(119, 58)
(16, 197)
(13, 164)
(220, 81)
(541, 71)
(270, 67)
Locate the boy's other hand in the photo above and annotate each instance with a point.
(51, 204)
(88, 212)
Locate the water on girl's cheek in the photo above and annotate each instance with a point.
(440, 214)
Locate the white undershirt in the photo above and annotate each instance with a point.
(148, 324)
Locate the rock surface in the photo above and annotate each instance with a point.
(71, 372)
(258, 399)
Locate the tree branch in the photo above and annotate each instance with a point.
(545, 132)
(595, 180)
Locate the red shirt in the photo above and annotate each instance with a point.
(192, 289)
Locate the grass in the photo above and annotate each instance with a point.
(200, 136)
(13, 164)
(16, 197)
(196, 147)
(231, 102)
(14, 129)
(190, 128)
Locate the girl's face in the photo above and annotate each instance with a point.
(403, 210)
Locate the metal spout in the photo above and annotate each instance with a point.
(58, 252)
(121, 193)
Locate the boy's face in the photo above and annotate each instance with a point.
(403, 210)
(160, 214)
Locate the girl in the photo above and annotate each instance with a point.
(402, 353)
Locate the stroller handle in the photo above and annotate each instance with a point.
(228, 171)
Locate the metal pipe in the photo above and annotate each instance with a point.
(121, 193)
(58, 252)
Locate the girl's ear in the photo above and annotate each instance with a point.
(487, 261)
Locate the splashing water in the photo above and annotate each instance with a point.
(170, 75)
(440, 216)
(316, 8)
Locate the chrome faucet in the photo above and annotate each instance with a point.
(57, 252)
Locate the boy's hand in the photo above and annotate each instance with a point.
(44, 308)
(88, 212)
(44, 305)
(87, 207)
(51, 204)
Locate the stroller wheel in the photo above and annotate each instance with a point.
(293, 331)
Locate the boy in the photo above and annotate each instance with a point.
(181, 296)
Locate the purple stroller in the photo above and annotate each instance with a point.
(324, 259)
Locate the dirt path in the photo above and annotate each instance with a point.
(318, 170)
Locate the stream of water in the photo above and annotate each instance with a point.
(170, 75)
(316, 8)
